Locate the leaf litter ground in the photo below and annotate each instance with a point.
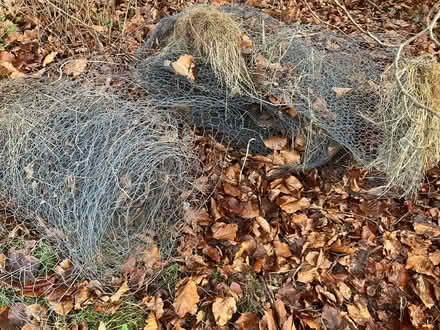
(309, 251)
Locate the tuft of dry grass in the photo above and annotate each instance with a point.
(77, 26)
(217, 36)
(412, 132)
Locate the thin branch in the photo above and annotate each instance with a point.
(400, 47)
(318, 18)
(371, 35)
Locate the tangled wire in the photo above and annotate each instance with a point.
(104, 176)
(98, 174)
(337, 87)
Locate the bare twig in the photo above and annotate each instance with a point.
(400, 48)
(318, 18)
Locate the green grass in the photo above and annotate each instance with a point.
(130, 316)
(6, 296)
(9, 29)
(47, 256)
(168, 278)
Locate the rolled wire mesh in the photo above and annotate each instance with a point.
(99, 175)
(336, 85)
(304, 66)
(211, 107)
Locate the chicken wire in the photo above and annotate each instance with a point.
(99, 175)
(331, 81)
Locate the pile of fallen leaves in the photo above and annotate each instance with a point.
(33, 34)
(292, 253)
(310, 251)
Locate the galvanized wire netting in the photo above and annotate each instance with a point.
(99, 175)
(305, 67)
(336, 85)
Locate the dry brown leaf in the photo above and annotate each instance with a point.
(269, 317)
(312, 258)
(6, 56)
(263, 64)
(427, 229)
(231, 190)
(280, 309)
(3, 259)
(299, 219)
(345, 290)
(201, 316)
(289, 324)
(300, 143)
(49, 58)
(322, 291)
(129, 265)
(246, 43)
(213, 253)
(66, 264)
(76, 67)
(420, 264)
(417, 315)
(178, 325)
(245, 247)
(154, 304)
(276, 142)
(151, 322)
(391, 244)
(224, 231)
(81, 296)
(250, 210)
(122, 290)
(435, 257)
(359, 311)
(232, 204)
(64, 307)
(187, 299)
(236, 290)
(185, 66)
(333, 318)
(247, 321)
(282, 249)
(215, 210)
(223, 309)
(312, 323)
(232, 174)
(292, 207)
(307, 274)
(424, 291)
(152, 257)
(341, 91)
(37, 312)
(293, 184)
(262, 222)
(290, 157)
(10, 70)
(292, 112)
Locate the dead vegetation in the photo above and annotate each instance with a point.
(217, 37)
(412, 143)
(311, 250)
(99, 175)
